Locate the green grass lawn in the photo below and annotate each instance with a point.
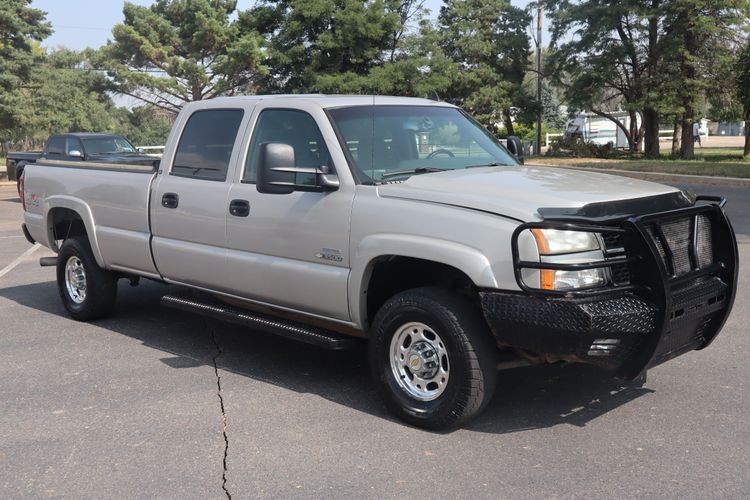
(723, 162)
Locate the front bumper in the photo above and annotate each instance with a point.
(658, 315)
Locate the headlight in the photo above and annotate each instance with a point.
(555, 241)
(568, 247)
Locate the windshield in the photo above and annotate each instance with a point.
(393, 142)
(107, 145)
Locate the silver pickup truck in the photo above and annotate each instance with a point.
(400, 221)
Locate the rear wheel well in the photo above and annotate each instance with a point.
(64, 223)
(392, 274)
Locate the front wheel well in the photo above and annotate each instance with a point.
(393, 274)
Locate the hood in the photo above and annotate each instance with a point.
(519, 192)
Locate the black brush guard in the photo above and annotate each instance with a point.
(627, 328)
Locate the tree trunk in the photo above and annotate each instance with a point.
(635, 143)
(687, 151)
(651, 133)
(746, 152)
(689, 73)
(676, 135)
(508, 122)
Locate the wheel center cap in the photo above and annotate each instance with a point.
(423, 360)
(415, 362)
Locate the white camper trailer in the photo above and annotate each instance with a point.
(600, 130)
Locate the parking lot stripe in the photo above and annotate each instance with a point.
(18, 260)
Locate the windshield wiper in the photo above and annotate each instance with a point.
(418, 170)
(493, 164)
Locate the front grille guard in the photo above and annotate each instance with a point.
(649, 276)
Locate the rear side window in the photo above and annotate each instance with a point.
(56, 146)
(206, 144)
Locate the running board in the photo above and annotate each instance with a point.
(215, 309)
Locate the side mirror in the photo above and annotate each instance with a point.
(75, 153)
(515, 146)
(278, 173)
(275, 169)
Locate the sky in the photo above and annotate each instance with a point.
(79, 24)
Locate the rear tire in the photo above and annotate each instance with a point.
(87, 291)
(433, 358)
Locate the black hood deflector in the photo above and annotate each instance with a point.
(613, 211)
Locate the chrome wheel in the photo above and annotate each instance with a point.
(419, 361)
(75, 279)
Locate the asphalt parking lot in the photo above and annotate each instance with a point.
(155, 403)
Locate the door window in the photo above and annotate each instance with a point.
(205, 147)
(72, 144)
(293, 127)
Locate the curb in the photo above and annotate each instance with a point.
(708, 180)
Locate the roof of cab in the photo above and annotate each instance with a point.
(86, 135)
(335, 101)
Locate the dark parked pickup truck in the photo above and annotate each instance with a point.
(93, 147)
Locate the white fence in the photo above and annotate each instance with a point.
(664, 135)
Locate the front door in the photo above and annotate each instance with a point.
(189, 200)
(291, 250)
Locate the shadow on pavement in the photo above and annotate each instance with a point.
(526, 398)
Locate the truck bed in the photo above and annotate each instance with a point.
(116, 197)
(13, 158)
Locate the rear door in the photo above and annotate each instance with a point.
(189, 200)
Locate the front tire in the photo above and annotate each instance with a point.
(87, 291)
(433, 358)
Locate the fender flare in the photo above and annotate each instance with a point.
(84, 212)
(466, 259)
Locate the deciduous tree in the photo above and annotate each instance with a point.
(743, 92)
(651, 58)
(606, 57)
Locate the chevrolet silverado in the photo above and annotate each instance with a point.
(400, 221)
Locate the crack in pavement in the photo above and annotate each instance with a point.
(219, 352)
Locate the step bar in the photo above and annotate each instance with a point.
(211, 308)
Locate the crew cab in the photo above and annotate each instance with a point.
(79, 146)
(399, 221)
